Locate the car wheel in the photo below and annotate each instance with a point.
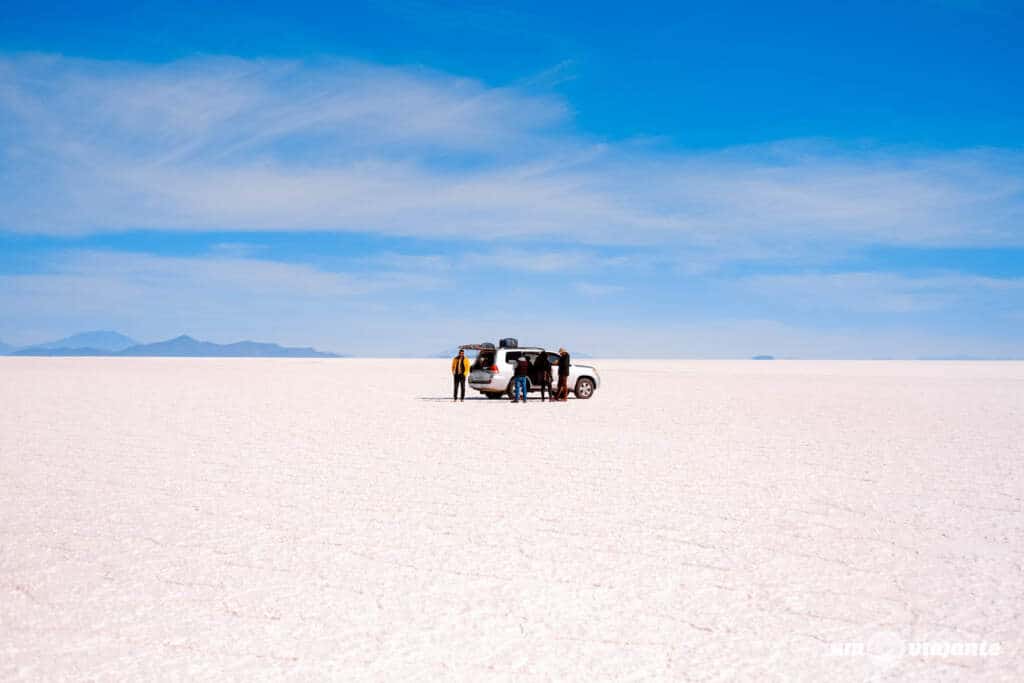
(584, 388)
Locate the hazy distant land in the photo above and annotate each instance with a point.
(114, 344)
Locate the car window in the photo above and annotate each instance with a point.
(553, 357)
(513, 356)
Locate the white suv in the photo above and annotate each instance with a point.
(494, 368)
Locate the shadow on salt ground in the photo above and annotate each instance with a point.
(449, 398)
(484, 398)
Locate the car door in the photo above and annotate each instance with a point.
(532, 357)
(553, 358)
(508, 367)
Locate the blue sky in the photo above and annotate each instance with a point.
(658, 180)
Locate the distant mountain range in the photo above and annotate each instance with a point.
(105, 343)
(103, 340)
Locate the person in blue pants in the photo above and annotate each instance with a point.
(521, 381)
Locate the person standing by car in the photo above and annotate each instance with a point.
(521, 379)
(542, 371)
(563, 375)
(460, 368)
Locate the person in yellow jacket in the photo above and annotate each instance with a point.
(460, 369)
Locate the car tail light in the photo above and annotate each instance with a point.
(494, 369)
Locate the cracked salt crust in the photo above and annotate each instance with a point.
(328, 519)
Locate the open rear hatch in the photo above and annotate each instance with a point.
(481, 371)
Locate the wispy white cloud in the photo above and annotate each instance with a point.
(219, 296)
(880, 292)
(370, 310)
(475, 257)
(597, 289)
(736, 337)
(541, 260)
(231, 144)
